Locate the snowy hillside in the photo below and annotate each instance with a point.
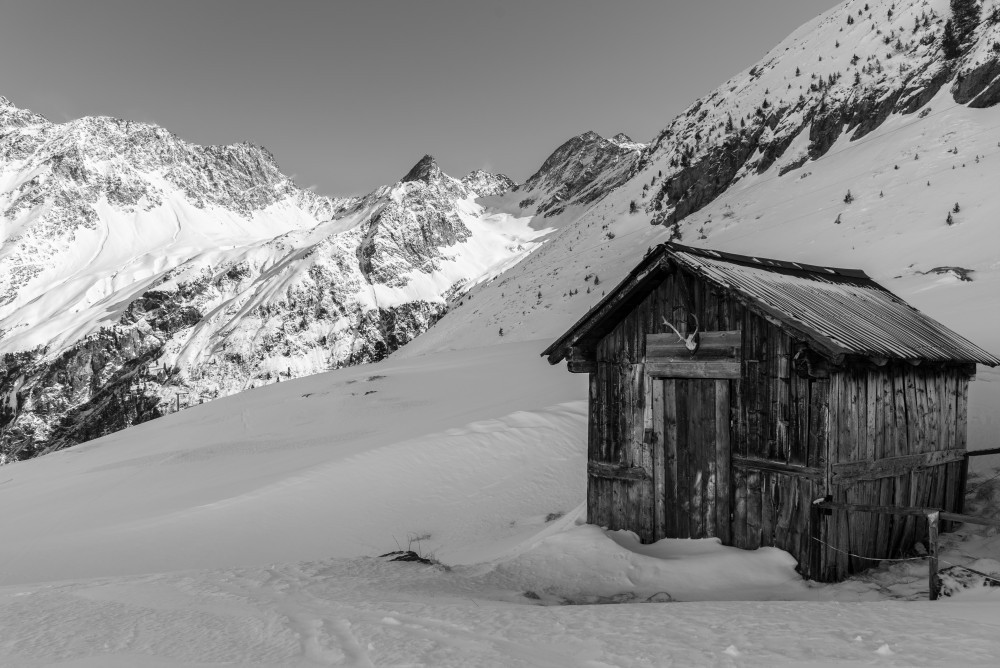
(834, 149)
(143, 274)
(284, 497)
(249, 530)
(776, 184)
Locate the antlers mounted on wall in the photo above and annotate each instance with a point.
(691, 341)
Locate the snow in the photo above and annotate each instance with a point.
(372, 613)
(894, 230)
(588, 564)
(248, 531)
(285, 460)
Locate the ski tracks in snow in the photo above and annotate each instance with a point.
(320, 649)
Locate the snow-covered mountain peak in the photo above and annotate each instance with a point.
(626, 142)
(138, 267)
(488, 184)
(12, 116)
(578, 172)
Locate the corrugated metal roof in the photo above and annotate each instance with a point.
(854, 314)
(842, 310)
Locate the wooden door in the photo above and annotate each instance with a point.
(692, 452)
(691, 458)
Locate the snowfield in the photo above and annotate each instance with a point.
(368, 612)
(342, 464)
(248, 532)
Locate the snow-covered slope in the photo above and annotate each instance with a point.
(581, 170)
(894, 127)
(862, 100)
(142, 274)
(248, 531)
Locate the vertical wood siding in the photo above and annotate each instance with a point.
(674, 430)
(884, 412)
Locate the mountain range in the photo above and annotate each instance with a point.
(142, 274)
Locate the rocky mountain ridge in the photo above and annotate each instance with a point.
(843, 73)
(845, 145)
(143, 273)
(580, 171)
(848, 96)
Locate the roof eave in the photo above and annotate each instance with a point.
(639, 282)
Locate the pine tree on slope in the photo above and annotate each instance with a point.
(949, 41)
(965, 14)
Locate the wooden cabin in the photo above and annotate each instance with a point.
(727, 393)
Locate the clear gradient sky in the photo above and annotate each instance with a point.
(348, 95)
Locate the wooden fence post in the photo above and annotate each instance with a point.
(962, 483)
(817, 559)
(932, 553)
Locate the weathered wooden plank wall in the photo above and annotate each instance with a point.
(879, 415)
(774, 416)
(787, 433)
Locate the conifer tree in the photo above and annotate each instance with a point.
(949, 41)
(965, 15)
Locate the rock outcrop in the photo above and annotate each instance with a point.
(580, 171)
(863, 65)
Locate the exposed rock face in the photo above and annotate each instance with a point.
(425, 170)
(413, 227)
(93, 388)
(142, 273)
(486, 184)
(580, 171)
(979, 86)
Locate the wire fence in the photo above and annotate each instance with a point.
(933, 516)
(921, 557)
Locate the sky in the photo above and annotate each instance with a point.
(348, 96)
